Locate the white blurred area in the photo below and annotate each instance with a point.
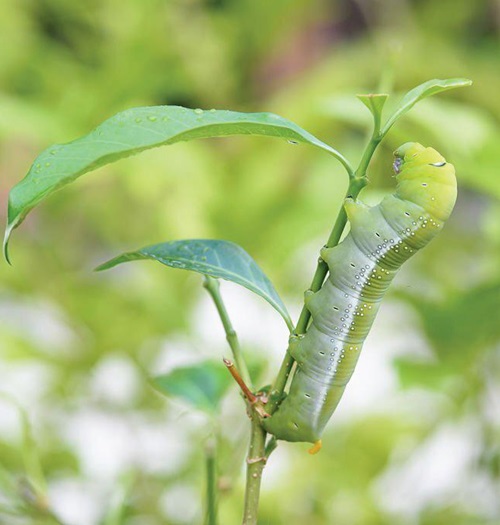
(109, 442)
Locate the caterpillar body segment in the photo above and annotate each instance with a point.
(361, 269)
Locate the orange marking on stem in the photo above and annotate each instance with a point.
(236, 376)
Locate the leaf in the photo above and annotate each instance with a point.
(135, 130)
(427, 89)
(202, 385)
(217, 258)
(375, 103)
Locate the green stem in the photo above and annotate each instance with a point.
(213, 288)
(256, 461)
(257, 451)
(211, 484)
(356, 183)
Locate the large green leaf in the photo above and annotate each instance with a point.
(133, 131)
(222, 259)
(202, 385)
(427, 89)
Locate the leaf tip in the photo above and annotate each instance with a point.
(458, 82)
(6, 240)
(100, 268)
(106, 265)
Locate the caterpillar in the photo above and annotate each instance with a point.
(361, 268)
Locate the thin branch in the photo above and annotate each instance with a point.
(252, 399)
(256, 461)
(213, 288)
(211, 467)
(356, 184)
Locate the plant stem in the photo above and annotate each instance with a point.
(356, 183)
(211, 484)
(256, 461)
(257, 451)
(213, 288)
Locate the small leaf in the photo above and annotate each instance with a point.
(202, 385)
(427, 89)
(375, 103)
(222, 259)
(135, 130)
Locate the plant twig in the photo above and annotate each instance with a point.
(257, 452)
(252, 399)
(356, 183)
(211, 284)
(256, 461)
(210, 458)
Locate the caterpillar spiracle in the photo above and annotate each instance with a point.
(361, 268)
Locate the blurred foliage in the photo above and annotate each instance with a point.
(202, 385)
(77, 347)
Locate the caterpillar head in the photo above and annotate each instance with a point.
(414, 154)
(425, 178)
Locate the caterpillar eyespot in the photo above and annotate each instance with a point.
(380, 240)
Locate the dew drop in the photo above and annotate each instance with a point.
(198, 111)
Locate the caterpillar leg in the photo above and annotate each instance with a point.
(316, 447)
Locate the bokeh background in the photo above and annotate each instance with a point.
(416, 439)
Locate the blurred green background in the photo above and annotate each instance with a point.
(417, 437)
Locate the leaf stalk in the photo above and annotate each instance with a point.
(213, 288)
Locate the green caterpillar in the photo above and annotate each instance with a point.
(361, 269)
